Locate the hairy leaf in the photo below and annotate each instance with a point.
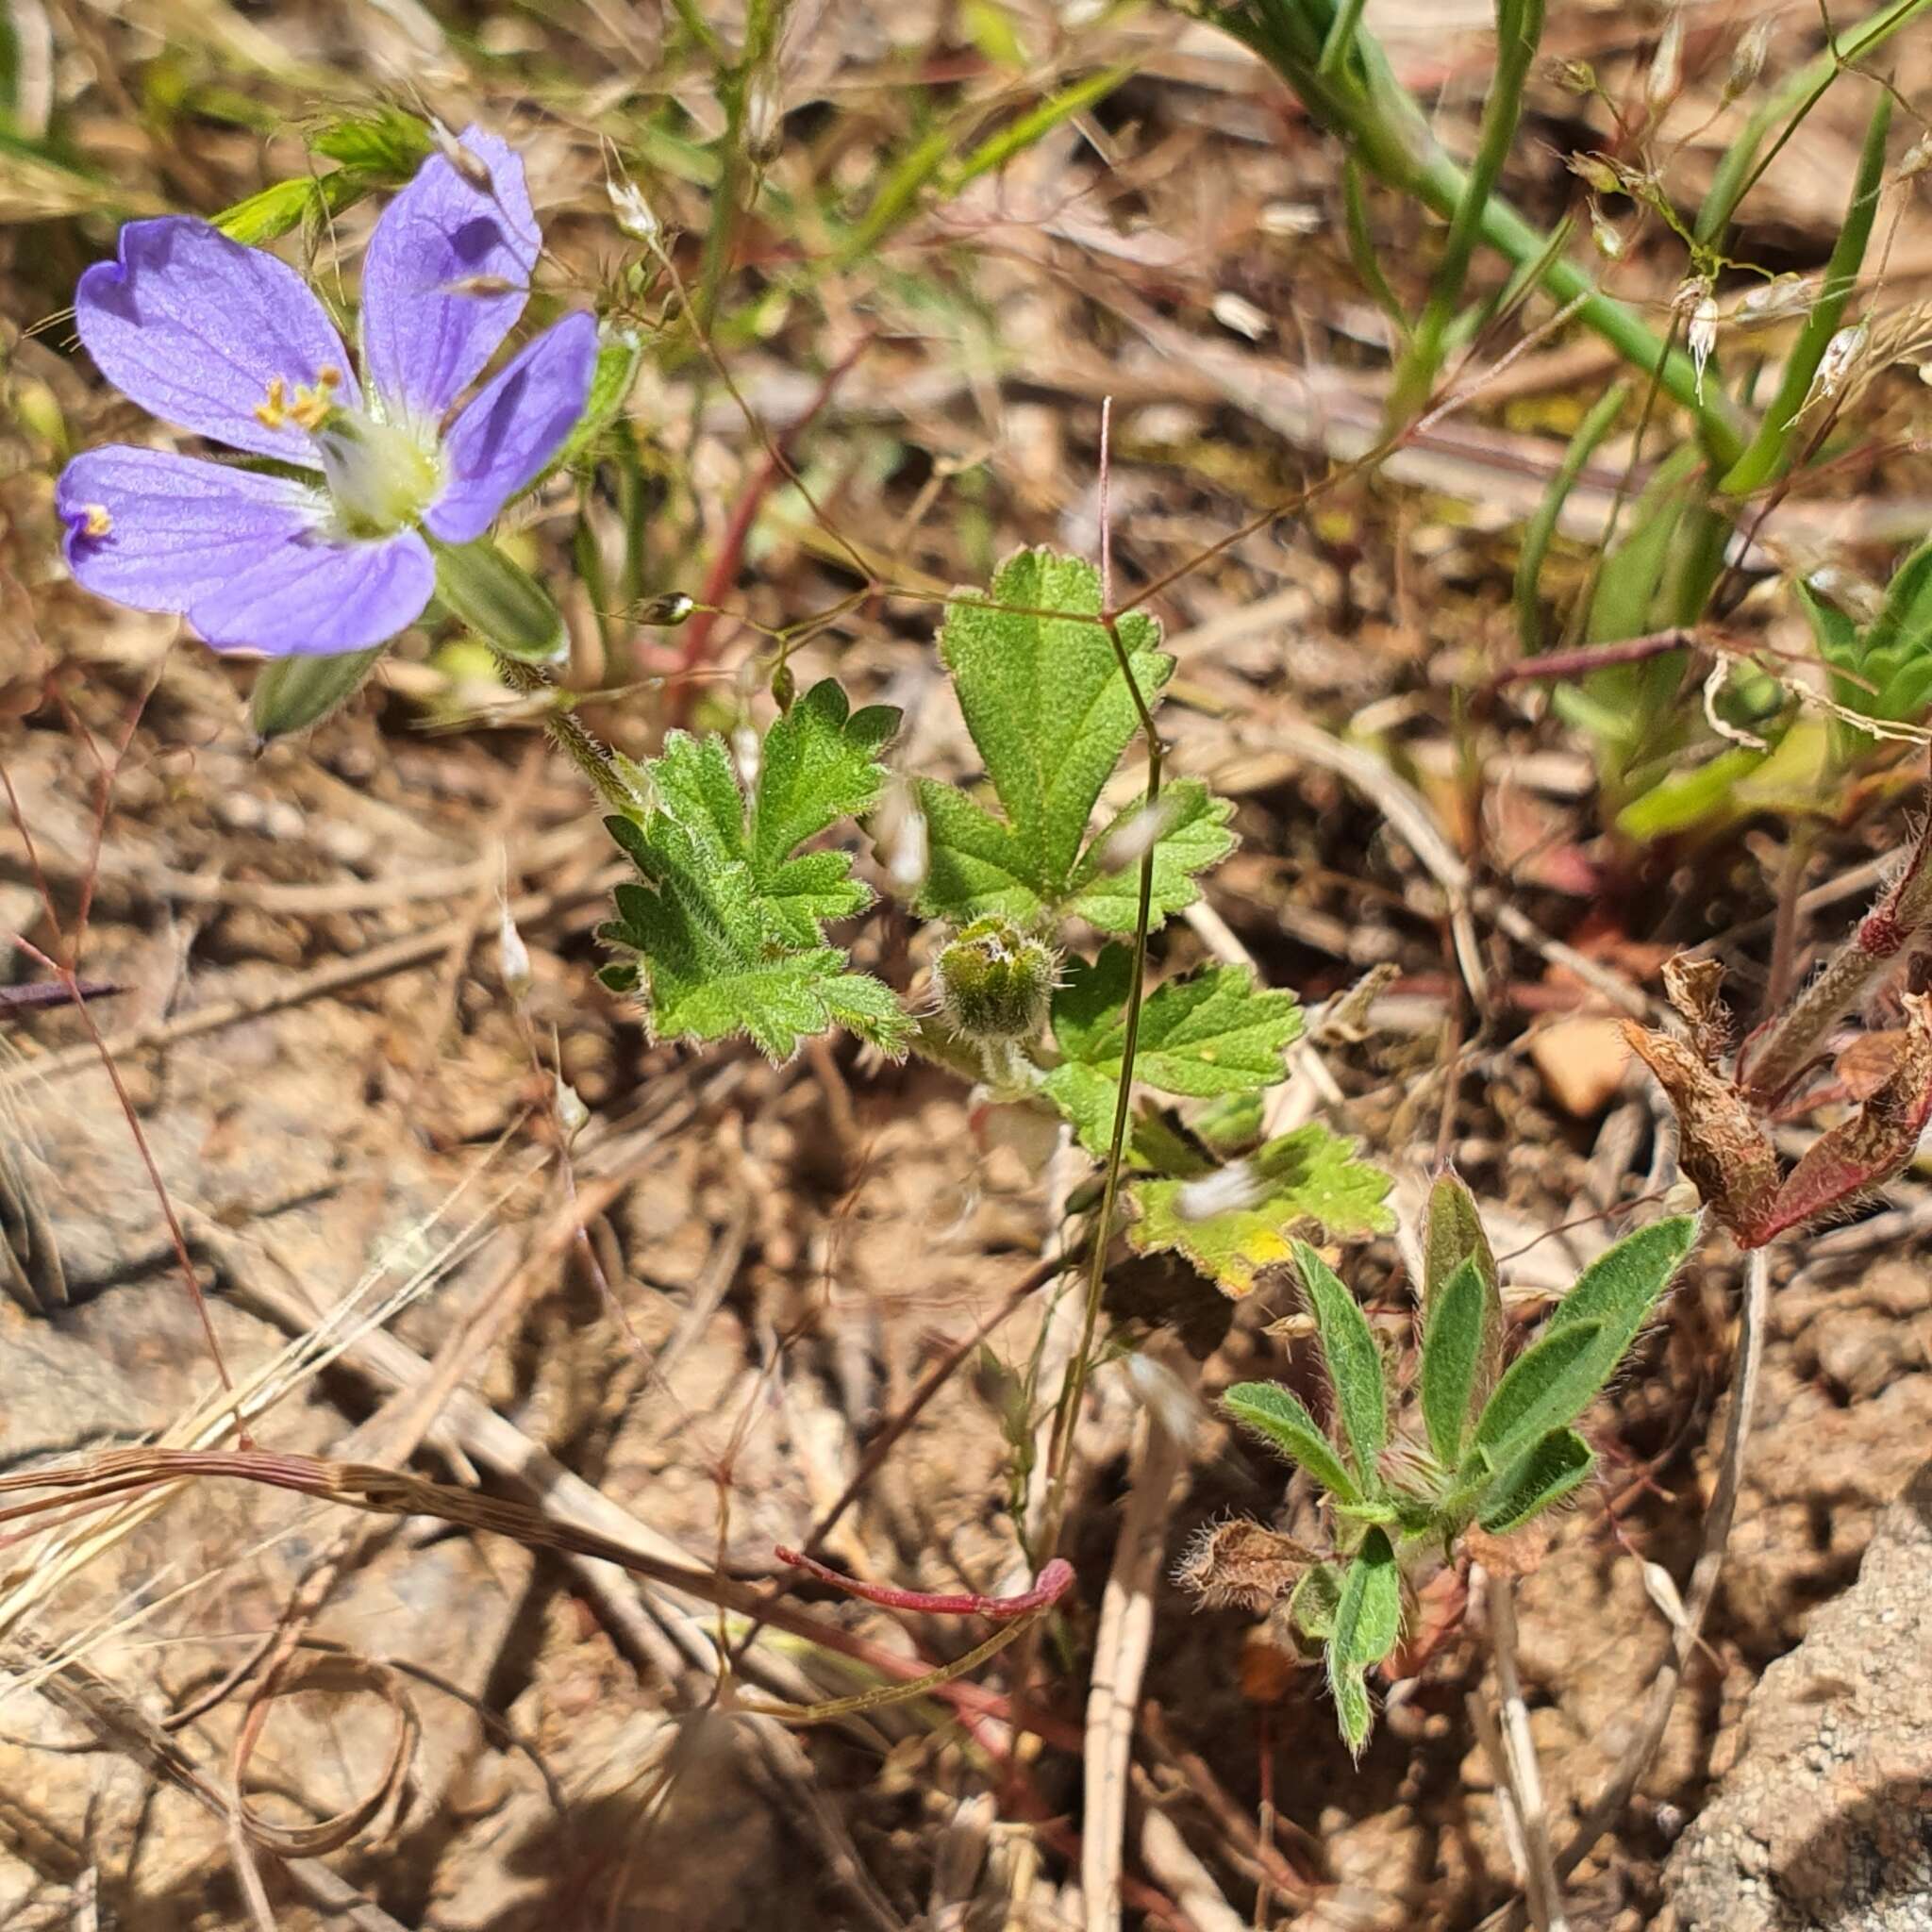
(1549, 1384)
(1353, 1363)
(1355, 1714)
(1301, 1179)
(1455, 1234)
(1191, 825)
(1210, 1033)
(1368, 1618)
(1547, 1471)
(1040, 684)
(1269, 1412)
(1452, 1348)
(1312, 1603)
(726, 923)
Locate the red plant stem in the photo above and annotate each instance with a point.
(1778, 1050)
(393, 1492)
(1049, 1587)
(1588, 658)
(730, 557)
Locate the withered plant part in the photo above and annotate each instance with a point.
(1727, 1151)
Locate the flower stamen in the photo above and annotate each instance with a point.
(275, 412)
(94, 520)
(311, 405)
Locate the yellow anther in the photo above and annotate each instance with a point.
(310, 407)
(274, 413)
(95, 522)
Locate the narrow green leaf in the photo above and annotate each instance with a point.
(284, 206)
(1368, 1618)
(1623, 1284)
(1312, 1603)
(500, 601)
(1310, 1177)
(1452, 1346)
(1772, 449)
(1542, 528)
(997, 150)
(1355, 1714)
(1550, 1469)
(1353, 1361)
(1269, 1411)
(1549, 1384)
(1454, 1235)
(292, 693)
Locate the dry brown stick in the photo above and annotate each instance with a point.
(1120, 1648)
(122, 1725)
(339, 975)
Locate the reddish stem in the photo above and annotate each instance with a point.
(1049, 1587)
(730, 557)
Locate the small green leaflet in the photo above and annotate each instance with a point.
(1042, 690)
(1308, 1177)
(727, 920)
(1213, 1032)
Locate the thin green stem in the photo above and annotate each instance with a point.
(1073, 1387)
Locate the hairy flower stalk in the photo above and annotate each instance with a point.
(330, 546)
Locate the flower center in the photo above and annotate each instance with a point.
(381, 477)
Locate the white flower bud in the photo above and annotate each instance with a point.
(1610, 243)
(573, 1116)
(1667, 63)
(1840, 354)
(633, 212)
(748, 754)
(513, 957)
(1782, 296)
(1701, 332)
(1747, 62)
(1237, 314)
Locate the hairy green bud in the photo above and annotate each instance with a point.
(995, 981)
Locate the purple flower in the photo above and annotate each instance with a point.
(230, 343)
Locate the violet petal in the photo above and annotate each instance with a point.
(502, 440)
(318, 594)
(157, 530)
(195, 327)
(429, 318)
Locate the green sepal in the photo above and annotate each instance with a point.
(292, 694)
(500, 601)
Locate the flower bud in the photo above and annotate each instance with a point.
(513, 957)
(1747, 62)
(1596, 174)
(665, 611)
(993, 981)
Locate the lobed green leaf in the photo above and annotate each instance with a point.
(726, 919)
(1210, 1033)
(1040, 684)
(1305, 1178)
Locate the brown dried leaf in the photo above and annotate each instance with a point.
(1722, 1150)
(1692, 986)
(1875, 1142)
(1242, 1562)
